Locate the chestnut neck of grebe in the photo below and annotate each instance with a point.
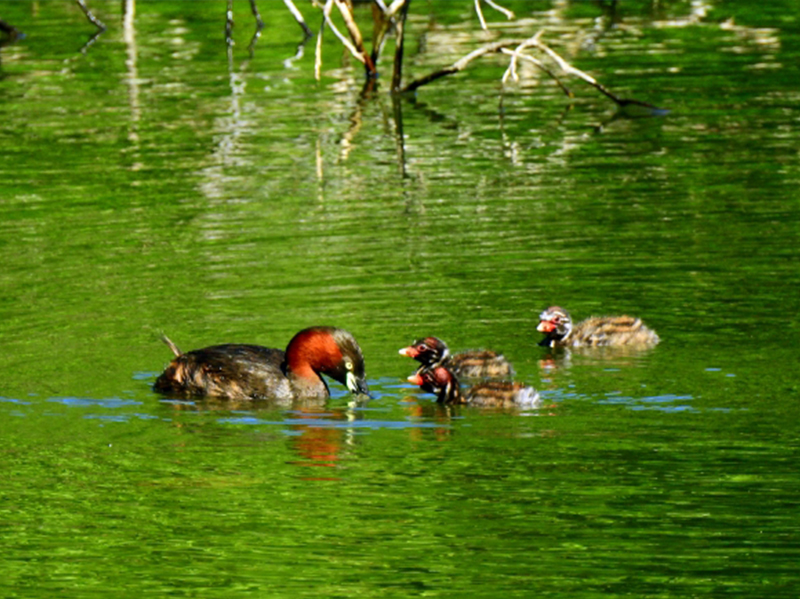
(330, 351)
(440, 381)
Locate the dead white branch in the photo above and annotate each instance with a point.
(535, 61)
(512, 67)
(326, 11)
(345, 8)
(479, 12)
(508, 13)
(459, 65)
(395, 7)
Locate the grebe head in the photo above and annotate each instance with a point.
(438, 380)
(555, 323)
(331, 351)
(430, 351)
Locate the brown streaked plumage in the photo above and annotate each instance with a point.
(475, 364)
(596, 331)
(245, 372)
(442, 382)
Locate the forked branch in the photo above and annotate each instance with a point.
(516, 54)
(385, 16)
(458, 65)
(508, 13)
(346, 10)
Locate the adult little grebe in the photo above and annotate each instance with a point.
(597, 331)
(443, 383)
(478, 364)
(253, 372)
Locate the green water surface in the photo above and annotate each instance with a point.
(158, 180)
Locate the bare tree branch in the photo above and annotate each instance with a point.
(568, 68)
(479, 12)
(384, 17)
(460, 64)
(346, 9)
(380, 27)
(508, 13)
(512, 67)
(505, 47)
(514, 54)
(395, 7)
(380, 4)
(347, 44)
(397, 74)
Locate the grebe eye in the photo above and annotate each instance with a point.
(348, 364)
(423, 347)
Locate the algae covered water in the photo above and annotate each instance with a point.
(158, 182)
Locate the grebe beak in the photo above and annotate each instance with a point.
(415, 378)
(546, 326)
(356, 385)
